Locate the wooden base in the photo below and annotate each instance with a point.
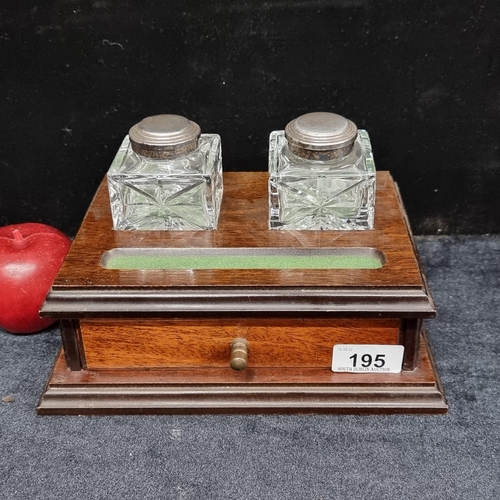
(259, 390)
(143, 340)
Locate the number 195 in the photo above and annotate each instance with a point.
(367, 360)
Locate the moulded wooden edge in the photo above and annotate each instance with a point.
(124, 302)
(123, 392)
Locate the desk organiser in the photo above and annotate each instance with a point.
(242, 318)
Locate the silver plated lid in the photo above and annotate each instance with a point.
(321, 132)
(164, 136)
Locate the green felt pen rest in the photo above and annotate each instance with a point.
(243, 258)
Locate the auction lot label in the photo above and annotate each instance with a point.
(367, 358)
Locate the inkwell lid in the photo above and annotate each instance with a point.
(164, 136)
(321, 135)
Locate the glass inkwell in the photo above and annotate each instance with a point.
(321, 175)
(166, 176)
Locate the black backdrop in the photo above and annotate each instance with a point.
(422, 77)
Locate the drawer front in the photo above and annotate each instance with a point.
(110, 343)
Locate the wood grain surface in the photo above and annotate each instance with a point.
(158, 341)
(243, 223)
(279, 342)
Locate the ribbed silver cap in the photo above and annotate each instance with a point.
(321, 132)
(164, 136)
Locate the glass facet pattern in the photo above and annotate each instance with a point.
(181, 193)
(314, 195)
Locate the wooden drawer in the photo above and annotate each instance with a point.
(291, 342)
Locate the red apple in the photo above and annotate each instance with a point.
(30, 257)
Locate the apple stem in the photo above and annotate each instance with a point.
(19, 240)
(17, 235)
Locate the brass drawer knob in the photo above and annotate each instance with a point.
(239, 354)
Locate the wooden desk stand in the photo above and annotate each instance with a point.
(159, 341)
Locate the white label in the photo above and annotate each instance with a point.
(367, 358)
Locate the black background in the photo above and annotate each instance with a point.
(422, 77)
